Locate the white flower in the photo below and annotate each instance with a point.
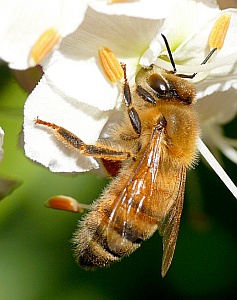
(22, 23)
(223, 108)
(31, 29)
(134, 8)
(75, 93)
(217, 81)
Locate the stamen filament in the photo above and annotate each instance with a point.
(223, 143)
(198, 68)
(217, 167)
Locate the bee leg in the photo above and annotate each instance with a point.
(127, 98)
(99, 150)
(146, 96)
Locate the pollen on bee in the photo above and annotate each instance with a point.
(110, 64)
(218, 32)
(45, 43)
(66, 203)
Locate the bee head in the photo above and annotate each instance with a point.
(165, 85)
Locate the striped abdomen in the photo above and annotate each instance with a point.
(101, 241)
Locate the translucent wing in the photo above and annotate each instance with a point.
(152, 198)
(170, 226)
(137, 211)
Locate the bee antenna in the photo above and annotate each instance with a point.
(173, 63)
(169, 52)
(203, 63)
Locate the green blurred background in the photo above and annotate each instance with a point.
(36, 259)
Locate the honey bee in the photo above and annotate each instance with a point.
(148, 154)
(159, 139)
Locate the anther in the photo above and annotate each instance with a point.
(218, 32)
(110, 64)
(66, 203)
(43, 46)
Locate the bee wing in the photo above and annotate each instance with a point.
(169, 227)
(135, 204)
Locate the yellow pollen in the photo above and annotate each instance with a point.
(110, 64)
(218, 32)
(43, 46)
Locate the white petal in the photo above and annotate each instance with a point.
(23, 22)
(84, 81)
(194, 49)
(219, 107)
(181, 27)
(217, 84)
(72, 14)
(185, 19)
(75, 68)
(151, 54)
(149, 9)
(1, 143)
(40, 142)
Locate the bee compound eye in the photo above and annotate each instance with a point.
(158, 84)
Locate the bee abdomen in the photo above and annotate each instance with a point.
(92, 246)
(92, 249)
(95, 255)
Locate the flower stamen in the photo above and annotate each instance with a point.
(218, 32)
(66, 203)
(43, 46)
(110, 64)
(209, 157)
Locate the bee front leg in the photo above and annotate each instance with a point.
(132, 113)
(99, 150)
